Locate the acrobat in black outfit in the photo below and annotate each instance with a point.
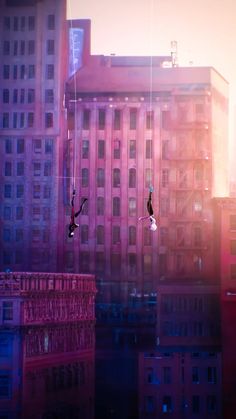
(153, 225)
(73, 225)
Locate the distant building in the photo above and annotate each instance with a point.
(47, 344)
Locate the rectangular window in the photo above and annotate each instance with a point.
(233, 271)
(22, 120)
(7, 191)
(6, 71)
(233, 222)
(5, 96)
(48, 120)
(36, 213)
(101, 119)
(20, 148)
(31, 47)
(84, 261)
(15, 48)
(22, 47)
(147, 263)
(100, 234)
(133, 119)
(37, 146)
(85, 177)
(50, 71)
(48, 146)
(211, 403)
(132, 207)
(15, 96)
(47, 168)
(50, 46)
(85, 149)
(100, 262)
(19, 191)
(7, 310)
(36, 191)
(5, 120)
(233, 247)
(115, 263)
(100, 205)
(85, 209)
(15, 23)
(167, 375)
(149, 119)
(49, 96)
(116, 178)
(195, 404)
(37, 169)
(31, 95)
(147, 236)
(47, 191)
(100, 178)
(115, 234)
(15, 72)
(163, 236)
(7, 23)
(30, 119)
(165, 178)
(132, 263)
(165, 149)
(211, 375)
(116, 151)
(20, 168)
(31, 23)
(22, 71)
(132, 149)
(19, 213)
(148, 149)
(8, 146)
(162, 264)
(132, 235)
(84, 234)
(51, 22)
(19, 235)
(8, 168)
(195, 375)
(31, 71)
(22, 95)
(86, 119)
(101, 149)
(164, 206)
(167, 404)
(22, 23)
(165, 120)
(6, 48)
(117, 119)
(116, 206)
(14, 119)
(7, 213)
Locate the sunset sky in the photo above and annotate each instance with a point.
(205, 31)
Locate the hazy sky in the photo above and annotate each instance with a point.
(205, 31)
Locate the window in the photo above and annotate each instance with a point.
(31, 23)
(147, 236)
(7, 257)
(115, 234)
(49, 96)
(165, 149)
(116, 178)
(132, 263)
(233, 222)
(195, 404)
(117, 119)
(7, 213)
(100, 205)
(31, 95)
(5, 386)
(115, 263)
(211, 375)
(5, 96)
(85, 149)
(20, 148)
(116, 151)
(149, 119)
(30, 119)
(211, 403)
(50, 71)
(163, 236)
(20, 168)
(14, 119)
(37, 145)
(7, 191)
(19, 235)
(6, 48)
(162, 264)
(233, 247)
(48, 120)
(167, 375)
(6, 23)
(22, 95)
(100, 234)
(148, 149)
(8, 168)
(37, 169)
(132, 207)
(167, 404)
(22, 71)
(100, 262)
(84, 233)
(48, 145)
(5, 120)
(85, 209)
(101, 119)
(46, 191)
(164, 206)
(6, 235)
(132, 235)
(51, 22)
(86, 119)
(84, 261)
(15, 48)
(50, 46)
(35, 235)
(165, 120)
(132, 149)
(101, 149)
(195, 375)
(19, 213)
(197, 236)
(149, 404)
(45, 236)
(6, 71)
(8, 146)
(36, 191)
(233, 271)
(116, 206)
(148, 177)
(147, 263)
(133, 119)
(132, 178)
(100, 178)
(19, 191)
(165, 178)
(46, 213)
(22, 47)
(7, 310)
(85, 177)
(47, 168)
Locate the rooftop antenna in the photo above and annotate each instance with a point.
(174, 53)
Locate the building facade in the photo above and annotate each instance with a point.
(47, 345)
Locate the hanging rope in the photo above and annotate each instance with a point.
(151, 114)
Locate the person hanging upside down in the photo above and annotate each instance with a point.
(73, 225)
(150, 215)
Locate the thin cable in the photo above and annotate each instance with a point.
(151, 115)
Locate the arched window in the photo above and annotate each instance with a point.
(100, 178)
(116, 178)
(132, 235)
(85, 178)
(100, 234)
(116, 206)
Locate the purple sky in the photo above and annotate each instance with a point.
(204, 29)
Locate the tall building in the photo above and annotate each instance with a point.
(47, 345)
(133, 122)
(34, 66)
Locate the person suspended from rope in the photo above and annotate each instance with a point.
(150, 215)
(73, 225)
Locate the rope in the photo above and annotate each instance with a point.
(151, 91)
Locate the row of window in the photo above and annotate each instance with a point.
(190, 329)
(23, 23)
(22, 47)
(188, 303)
(38, 213)
(25, 72)
(39, 169)
(24, 120)
(166, 376)
(18, 145)
(116, 149)
(18, 235)
(38, 192)
(19, 96)
(116, 178)
(196, 405)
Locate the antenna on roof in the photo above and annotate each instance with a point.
(174, 53)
